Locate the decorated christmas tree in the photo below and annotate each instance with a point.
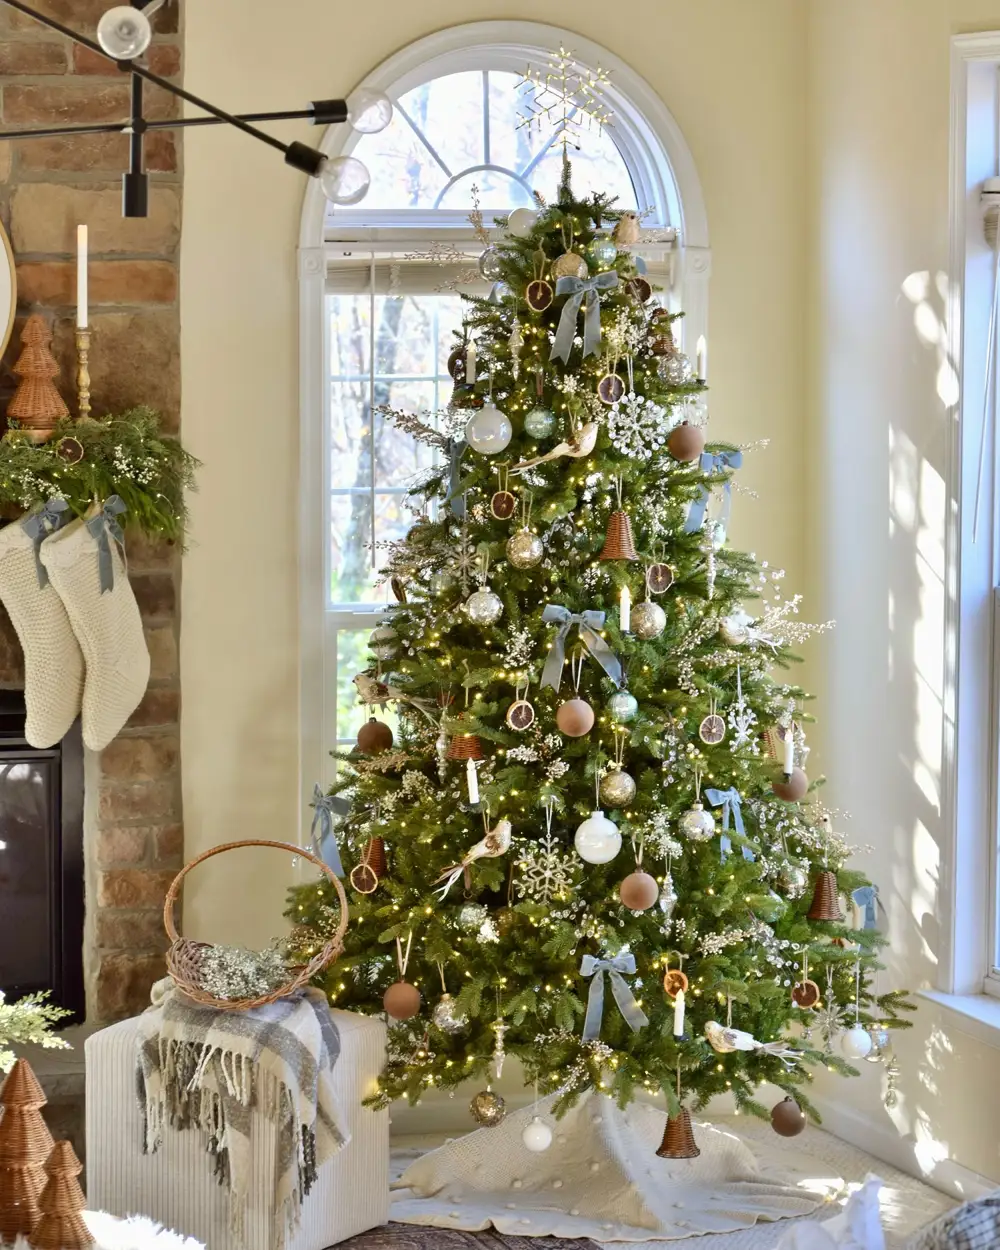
(598, 781)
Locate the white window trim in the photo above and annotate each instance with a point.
(645, 131)
(967, 887)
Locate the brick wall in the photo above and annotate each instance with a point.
(47, 186)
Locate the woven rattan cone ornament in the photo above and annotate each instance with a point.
(60, 1223)
(25, 1143)
(36, 404)
(678, 1138)
(618, 541)
(826, 903)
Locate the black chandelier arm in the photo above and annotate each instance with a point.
(319, 113)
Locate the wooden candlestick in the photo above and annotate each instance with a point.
(83, 371)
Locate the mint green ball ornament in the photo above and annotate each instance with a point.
(601, 252)
(623, 706)
(539, 423)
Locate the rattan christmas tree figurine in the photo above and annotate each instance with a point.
(25, 1143)
(37, 404)
(60, 1225)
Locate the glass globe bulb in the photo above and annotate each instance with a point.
(369, 111)
(124, 33)
(344, 179)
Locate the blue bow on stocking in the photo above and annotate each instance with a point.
(104, 527)
(635, 1017)
(729, 801)
(39, 526)
(577, 289)
(866, 897)
(713, 462)
(325, 807)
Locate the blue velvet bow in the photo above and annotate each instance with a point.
(635, 1017)
(577, 289)
(713, 462)
(104, 527)
(39, 526)
(729, 801)
(324, 837)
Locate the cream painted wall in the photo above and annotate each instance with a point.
(878, 142)
(726, 69)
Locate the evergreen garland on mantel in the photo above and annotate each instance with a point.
(126, 455)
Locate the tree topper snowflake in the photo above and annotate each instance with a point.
(546, 872)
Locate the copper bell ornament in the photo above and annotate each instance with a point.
(464, 747)
(826, 903)
(619, 543)
(678, 1138)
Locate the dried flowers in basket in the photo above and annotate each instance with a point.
(232, 978)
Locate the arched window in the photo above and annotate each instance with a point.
(381, 288)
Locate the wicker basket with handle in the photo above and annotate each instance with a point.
(184, 955)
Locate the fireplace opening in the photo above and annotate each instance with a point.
(41, 862)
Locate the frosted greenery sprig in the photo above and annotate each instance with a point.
(28, 1022)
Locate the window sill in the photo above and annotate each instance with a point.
(976, 1015)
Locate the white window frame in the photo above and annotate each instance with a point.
(666, 181)
(969, 891)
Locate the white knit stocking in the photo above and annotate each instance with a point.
(106, 623)
(53, 661)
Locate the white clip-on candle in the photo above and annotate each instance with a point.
(679, 1014)
(472, 779)
(625, 610)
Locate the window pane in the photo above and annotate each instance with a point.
(497, 190)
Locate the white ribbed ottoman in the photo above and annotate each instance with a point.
(176, 1185)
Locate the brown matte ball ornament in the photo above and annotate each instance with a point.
(639, 891)
(686, 442)
(374, 737)
(456, 364)
(575, 717)
(401, 1000)
(787, 1118)
(793, 788)
(640, 289)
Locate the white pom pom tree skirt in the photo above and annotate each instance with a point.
(600, 1178)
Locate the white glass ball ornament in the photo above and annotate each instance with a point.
(697, 824)
(368, 111)
(617, 788)
(344, 179)
(648, 620)
(124, 33)
(383, 642)
(623, 706)
(524, 549)
(489, 431)
(484, 607)
(539, 423)
(598, 840)
(537, 1136)
(856, 1043)
(521, 222)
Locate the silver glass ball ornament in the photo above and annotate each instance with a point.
(617, 788)
(539, 423)
(697, 824)
(569, 265)
(446, 1017)
(792, 881)
(488, 1109)
(648, 620)
(675, 369)
(524, 549)
(383, 642)
(489, 431)
(489, 264)
(484, 607)
(623, 706)
(881, 1041)
(601, 252)
(441, 582)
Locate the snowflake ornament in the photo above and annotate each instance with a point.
(638, 426)
(546, 872)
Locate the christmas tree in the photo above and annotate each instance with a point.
(36, 405)
(60, 1224)
(599, 775)
(25, 1142)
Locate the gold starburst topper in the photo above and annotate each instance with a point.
(565, 96)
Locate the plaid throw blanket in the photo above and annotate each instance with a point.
(215, 1070)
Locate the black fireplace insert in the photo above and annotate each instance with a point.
(41, 862)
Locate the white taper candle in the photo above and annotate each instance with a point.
(701, 357)
(470, 364)
(81, 277)
(625, 610)
(789, 751)
(679, 1014)
(472, 778)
